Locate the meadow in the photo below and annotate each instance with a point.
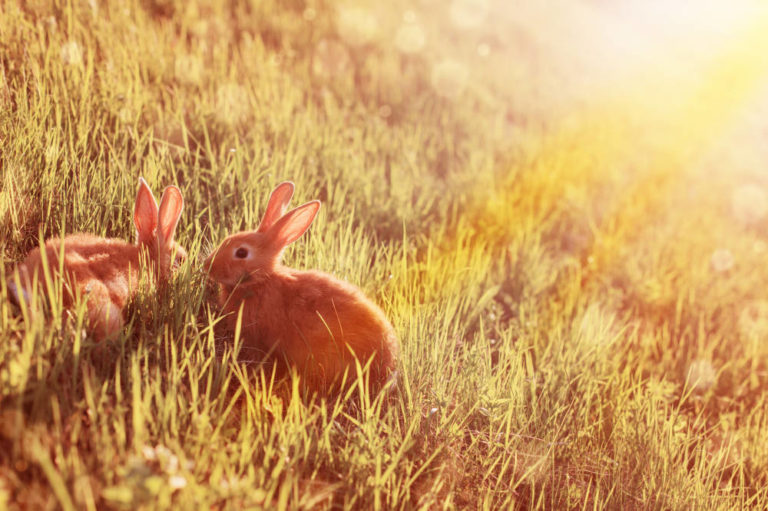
(574, 263)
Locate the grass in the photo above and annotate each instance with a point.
(577, 286)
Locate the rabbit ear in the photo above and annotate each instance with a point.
(145, 213)
(276, 205)
(171, 205)
(293, 224)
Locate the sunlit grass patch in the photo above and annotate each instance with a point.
(577, 283)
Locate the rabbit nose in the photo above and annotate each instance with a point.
(208, 263)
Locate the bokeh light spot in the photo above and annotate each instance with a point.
(449, 78)
(721, 260)
(331, 58)
(410, 39)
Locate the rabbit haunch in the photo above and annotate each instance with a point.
(104, 271)
(313, 321)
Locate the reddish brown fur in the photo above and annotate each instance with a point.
(317, 323)
(105, 272)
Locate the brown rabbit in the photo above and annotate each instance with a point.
(311, 320)
(106, 271)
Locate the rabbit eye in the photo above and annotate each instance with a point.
(241, 253)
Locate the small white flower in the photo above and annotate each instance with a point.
(149, 453)
(177, 482)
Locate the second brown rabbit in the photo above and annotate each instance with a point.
(106, 271)
(313, 321)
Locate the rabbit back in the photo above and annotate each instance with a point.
(105, 272)
(320, 325)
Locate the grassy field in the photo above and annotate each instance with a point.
(574, 263)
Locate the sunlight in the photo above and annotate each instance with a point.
(603, 48)
(560, 207)
(662, 118)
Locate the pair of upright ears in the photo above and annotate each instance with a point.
(153, 221)
(285, 228)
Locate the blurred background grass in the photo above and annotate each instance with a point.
(562, 208)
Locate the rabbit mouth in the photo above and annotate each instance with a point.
(244, 279)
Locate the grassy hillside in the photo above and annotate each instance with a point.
(574, 265)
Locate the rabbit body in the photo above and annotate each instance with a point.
(106, 271)
(316, 323)
(103, 271)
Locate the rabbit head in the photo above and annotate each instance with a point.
(247, 257)
(156, 228)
